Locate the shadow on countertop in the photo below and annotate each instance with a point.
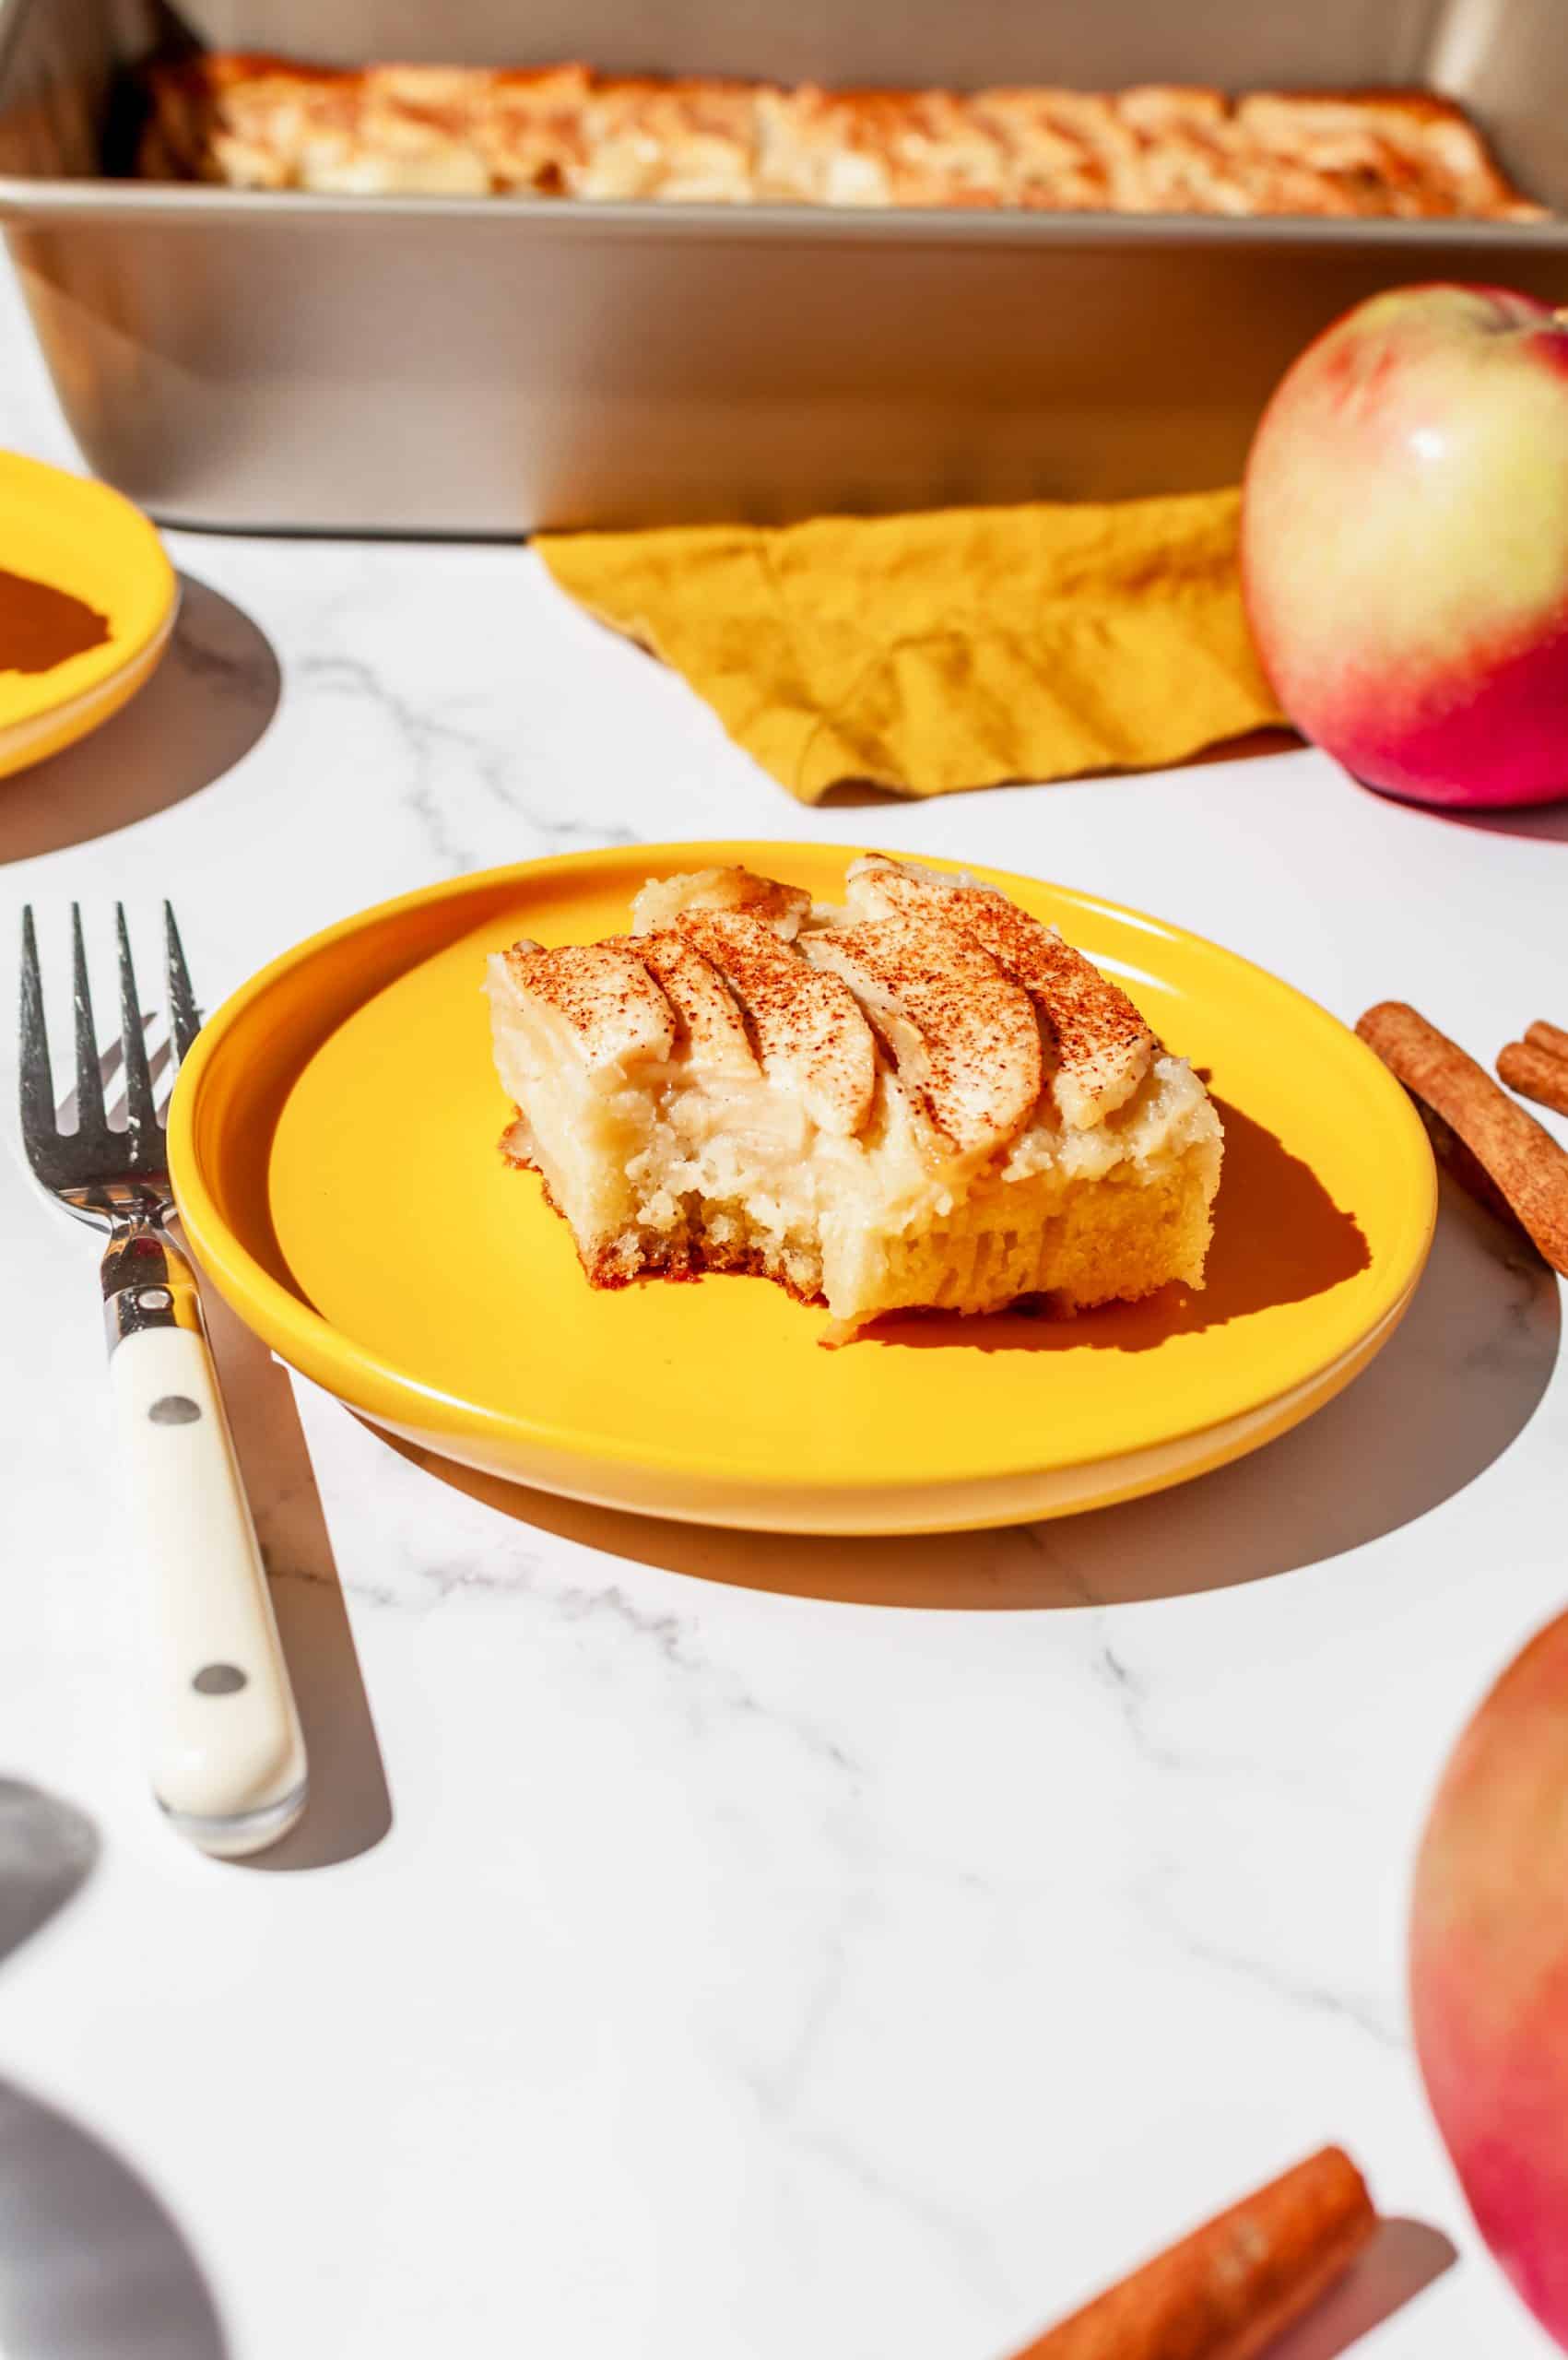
(47, 1851)
(1455, 1384)
(92, 2266)
(350, 1808)
(1255, 745)
(208, 702)
(1401, 2263)
(1545, 822)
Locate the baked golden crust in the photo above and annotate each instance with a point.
(256, 122)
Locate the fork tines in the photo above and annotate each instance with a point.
(36, 1074)
(185, 1016)
(89, 1073)
(140, 1113)
(92, 1133)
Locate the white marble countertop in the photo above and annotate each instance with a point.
(704, 1948)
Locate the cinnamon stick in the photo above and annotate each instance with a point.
(1226, 2291)
(1549, 1037)
(1518, 1159)
(1535, 1073)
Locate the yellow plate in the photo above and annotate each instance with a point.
(86, 603)
(332, 1147)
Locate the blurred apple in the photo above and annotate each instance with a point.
(1488, 1970)
(1405, 545)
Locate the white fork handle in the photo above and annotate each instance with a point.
(224, 1747)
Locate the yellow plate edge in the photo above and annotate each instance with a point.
(825, 1512)
(128, 553)
(25, 743)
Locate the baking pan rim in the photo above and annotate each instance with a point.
(24, 197)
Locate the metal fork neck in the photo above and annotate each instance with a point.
(148, 1283)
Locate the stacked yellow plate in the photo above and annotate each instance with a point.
(88, 601)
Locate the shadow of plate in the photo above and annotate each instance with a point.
(47, 1849)
(92, 2267)
(204, 707)
(1453, 1387)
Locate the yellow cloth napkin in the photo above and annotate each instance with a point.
(954, 649)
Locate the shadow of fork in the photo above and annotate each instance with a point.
(350, 1807)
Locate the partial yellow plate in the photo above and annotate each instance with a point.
(97, 594)
(333, 1148)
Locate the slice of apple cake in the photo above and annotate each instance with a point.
(922, 1098)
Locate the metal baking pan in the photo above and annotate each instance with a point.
(456, 365)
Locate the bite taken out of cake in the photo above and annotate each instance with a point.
(920, 1099)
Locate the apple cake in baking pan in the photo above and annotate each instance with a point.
(922, 1098)
(254, 121)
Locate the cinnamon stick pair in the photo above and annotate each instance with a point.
(1226, 2291)
(1537, 1067)
(1484, 1137)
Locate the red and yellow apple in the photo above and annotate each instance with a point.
(1488, 1970)
(1405, 545)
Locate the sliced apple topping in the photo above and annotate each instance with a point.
(599, 996)
(715, 1030)
(1103, 1046)
(964, 1034)
(809, 1034)
(876, 885)
(783, 908)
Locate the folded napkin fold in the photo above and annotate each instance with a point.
(960, 648)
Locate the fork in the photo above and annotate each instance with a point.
(224, 1748)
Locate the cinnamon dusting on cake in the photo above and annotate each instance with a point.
(709, 1094)
(1101, 1046)
(961, 1031)
(603, 993)
(808, 1030)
